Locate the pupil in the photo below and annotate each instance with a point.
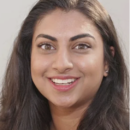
(48, 47)
(81, 47)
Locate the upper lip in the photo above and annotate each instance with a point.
(63, 77)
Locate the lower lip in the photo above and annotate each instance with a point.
(64, 87)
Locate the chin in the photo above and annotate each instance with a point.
(64, 103)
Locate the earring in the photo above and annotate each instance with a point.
(106, 71)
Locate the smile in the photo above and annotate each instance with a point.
(63, 84)
(65, 81)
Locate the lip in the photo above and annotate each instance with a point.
(63, 77)
(64, 88)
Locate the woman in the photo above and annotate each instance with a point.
(66, 71)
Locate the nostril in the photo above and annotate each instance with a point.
(62, 66)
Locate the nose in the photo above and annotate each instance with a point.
(62, 62)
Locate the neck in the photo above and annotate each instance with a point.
(66, 118)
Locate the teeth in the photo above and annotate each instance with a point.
(59, 81)
(63, 84)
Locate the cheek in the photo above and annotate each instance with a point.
(39, 68)
(39, 65)
(92, 70)
(91, 64)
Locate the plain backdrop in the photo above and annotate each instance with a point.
(13, 12)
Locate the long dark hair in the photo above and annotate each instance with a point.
(22, 105)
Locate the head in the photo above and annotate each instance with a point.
(32, 65)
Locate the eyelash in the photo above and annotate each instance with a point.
(40, 46)
(44, 44)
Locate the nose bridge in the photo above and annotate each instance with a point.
(63, 54)
(62, 60)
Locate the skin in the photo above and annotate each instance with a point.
(65, 58)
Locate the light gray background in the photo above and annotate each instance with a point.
(13, 12)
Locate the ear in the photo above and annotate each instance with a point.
(106, 69)
(112, 50)
(106, 66)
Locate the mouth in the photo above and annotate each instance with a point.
(63, 84)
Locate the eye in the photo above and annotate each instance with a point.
(46, 46)
(82, 46)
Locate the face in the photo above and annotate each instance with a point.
(67, 45)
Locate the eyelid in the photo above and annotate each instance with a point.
(45, 43)
(84, 44)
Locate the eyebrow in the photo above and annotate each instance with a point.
(71, 39)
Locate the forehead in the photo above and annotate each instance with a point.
(60, 23)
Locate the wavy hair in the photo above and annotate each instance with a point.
(22, 105)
